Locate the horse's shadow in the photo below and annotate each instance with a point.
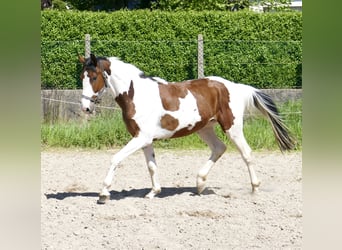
(133, 193)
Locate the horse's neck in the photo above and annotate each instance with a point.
(119, 84)
(121, 76)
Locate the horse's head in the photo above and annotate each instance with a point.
(94, 80)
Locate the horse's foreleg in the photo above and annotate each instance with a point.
(236, 135)
(217, 149)
(132, 146)
(152, 168)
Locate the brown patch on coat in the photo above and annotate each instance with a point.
(170, 94)
(212, 99)
(169, 122)
(125, 101)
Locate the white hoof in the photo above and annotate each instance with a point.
(103, 196)
(153, 193)
(255, 186)
(200, 184)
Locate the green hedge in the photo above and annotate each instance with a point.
(263, 50)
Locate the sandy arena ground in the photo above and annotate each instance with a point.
(226, 216)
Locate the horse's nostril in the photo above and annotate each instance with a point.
(86, 110)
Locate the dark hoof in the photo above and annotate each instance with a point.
(102, 199)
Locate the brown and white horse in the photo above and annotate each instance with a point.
(154, 109)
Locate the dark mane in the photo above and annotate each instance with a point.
(153, 78)
(89, 64)
(144, 76)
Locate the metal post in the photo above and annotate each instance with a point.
(200, 60)
(87, 46)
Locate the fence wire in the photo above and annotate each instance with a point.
(117, 108)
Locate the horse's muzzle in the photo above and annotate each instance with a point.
(87, 110)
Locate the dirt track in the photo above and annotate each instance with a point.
(226, 216)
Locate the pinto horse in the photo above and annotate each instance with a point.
(154, 109)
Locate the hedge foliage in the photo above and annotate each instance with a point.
(263, 50)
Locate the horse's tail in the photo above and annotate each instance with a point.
(267, 107)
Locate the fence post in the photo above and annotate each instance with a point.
(87, 46)
(200, 61)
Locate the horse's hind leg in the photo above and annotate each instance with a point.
(236, 135)
(152, 168)
(217, 147)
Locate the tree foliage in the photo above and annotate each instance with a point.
(200, 5)
(263, 50)
(166, 5)
(276, 5)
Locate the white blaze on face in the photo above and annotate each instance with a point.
(87, 92)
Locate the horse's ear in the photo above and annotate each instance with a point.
(93, 59)
(81, 59)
